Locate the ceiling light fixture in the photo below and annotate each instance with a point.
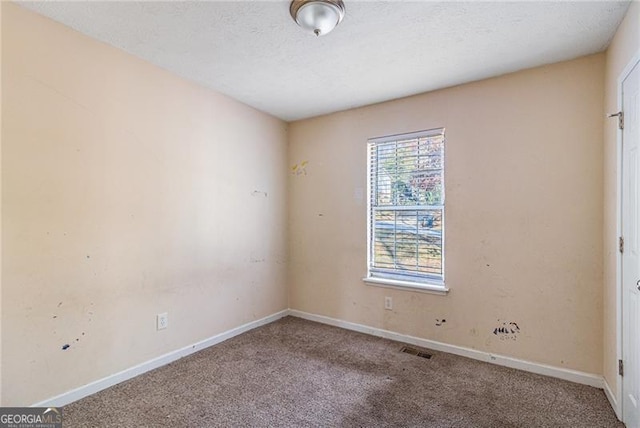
(317, 16)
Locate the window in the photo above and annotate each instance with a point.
(406, 210)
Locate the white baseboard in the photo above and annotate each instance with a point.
(612, 399)
(93, 387)
(543, 369)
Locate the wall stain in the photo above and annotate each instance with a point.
(507, 330)
(300, 168)
(440, 322)
(258, 192)
(65, 346)
(59, 304)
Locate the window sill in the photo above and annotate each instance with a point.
(434, 287)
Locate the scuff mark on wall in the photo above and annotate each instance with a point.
(65, 346)
(507, 330)
(300, 168)
(258, 193)
(502, 293)
(440, 322)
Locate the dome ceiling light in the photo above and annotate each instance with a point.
(317, 16)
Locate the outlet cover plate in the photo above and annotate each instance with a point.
(162, 321)
(388, 303)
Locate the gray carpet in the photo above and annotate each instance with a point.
(297, 373)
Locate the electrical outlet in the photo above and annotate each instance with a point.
(162, 321)
(388, 303)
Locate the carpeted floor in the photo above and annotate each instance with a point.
(297, 373)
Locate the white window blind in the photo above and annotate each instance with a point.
(406, 207)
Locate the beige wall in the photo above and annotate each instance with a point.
(523, 223)
(624, 46)
(126, 192)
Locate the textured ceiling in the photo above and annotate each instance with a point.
(254, 52)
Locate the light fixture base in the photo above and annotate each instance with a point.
(317, 16)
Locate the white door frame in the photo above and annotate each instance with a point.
(619, 292)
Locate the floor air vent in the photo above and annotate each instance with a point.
(414, 351)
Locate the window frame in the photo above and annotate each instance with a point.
(424, 283)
